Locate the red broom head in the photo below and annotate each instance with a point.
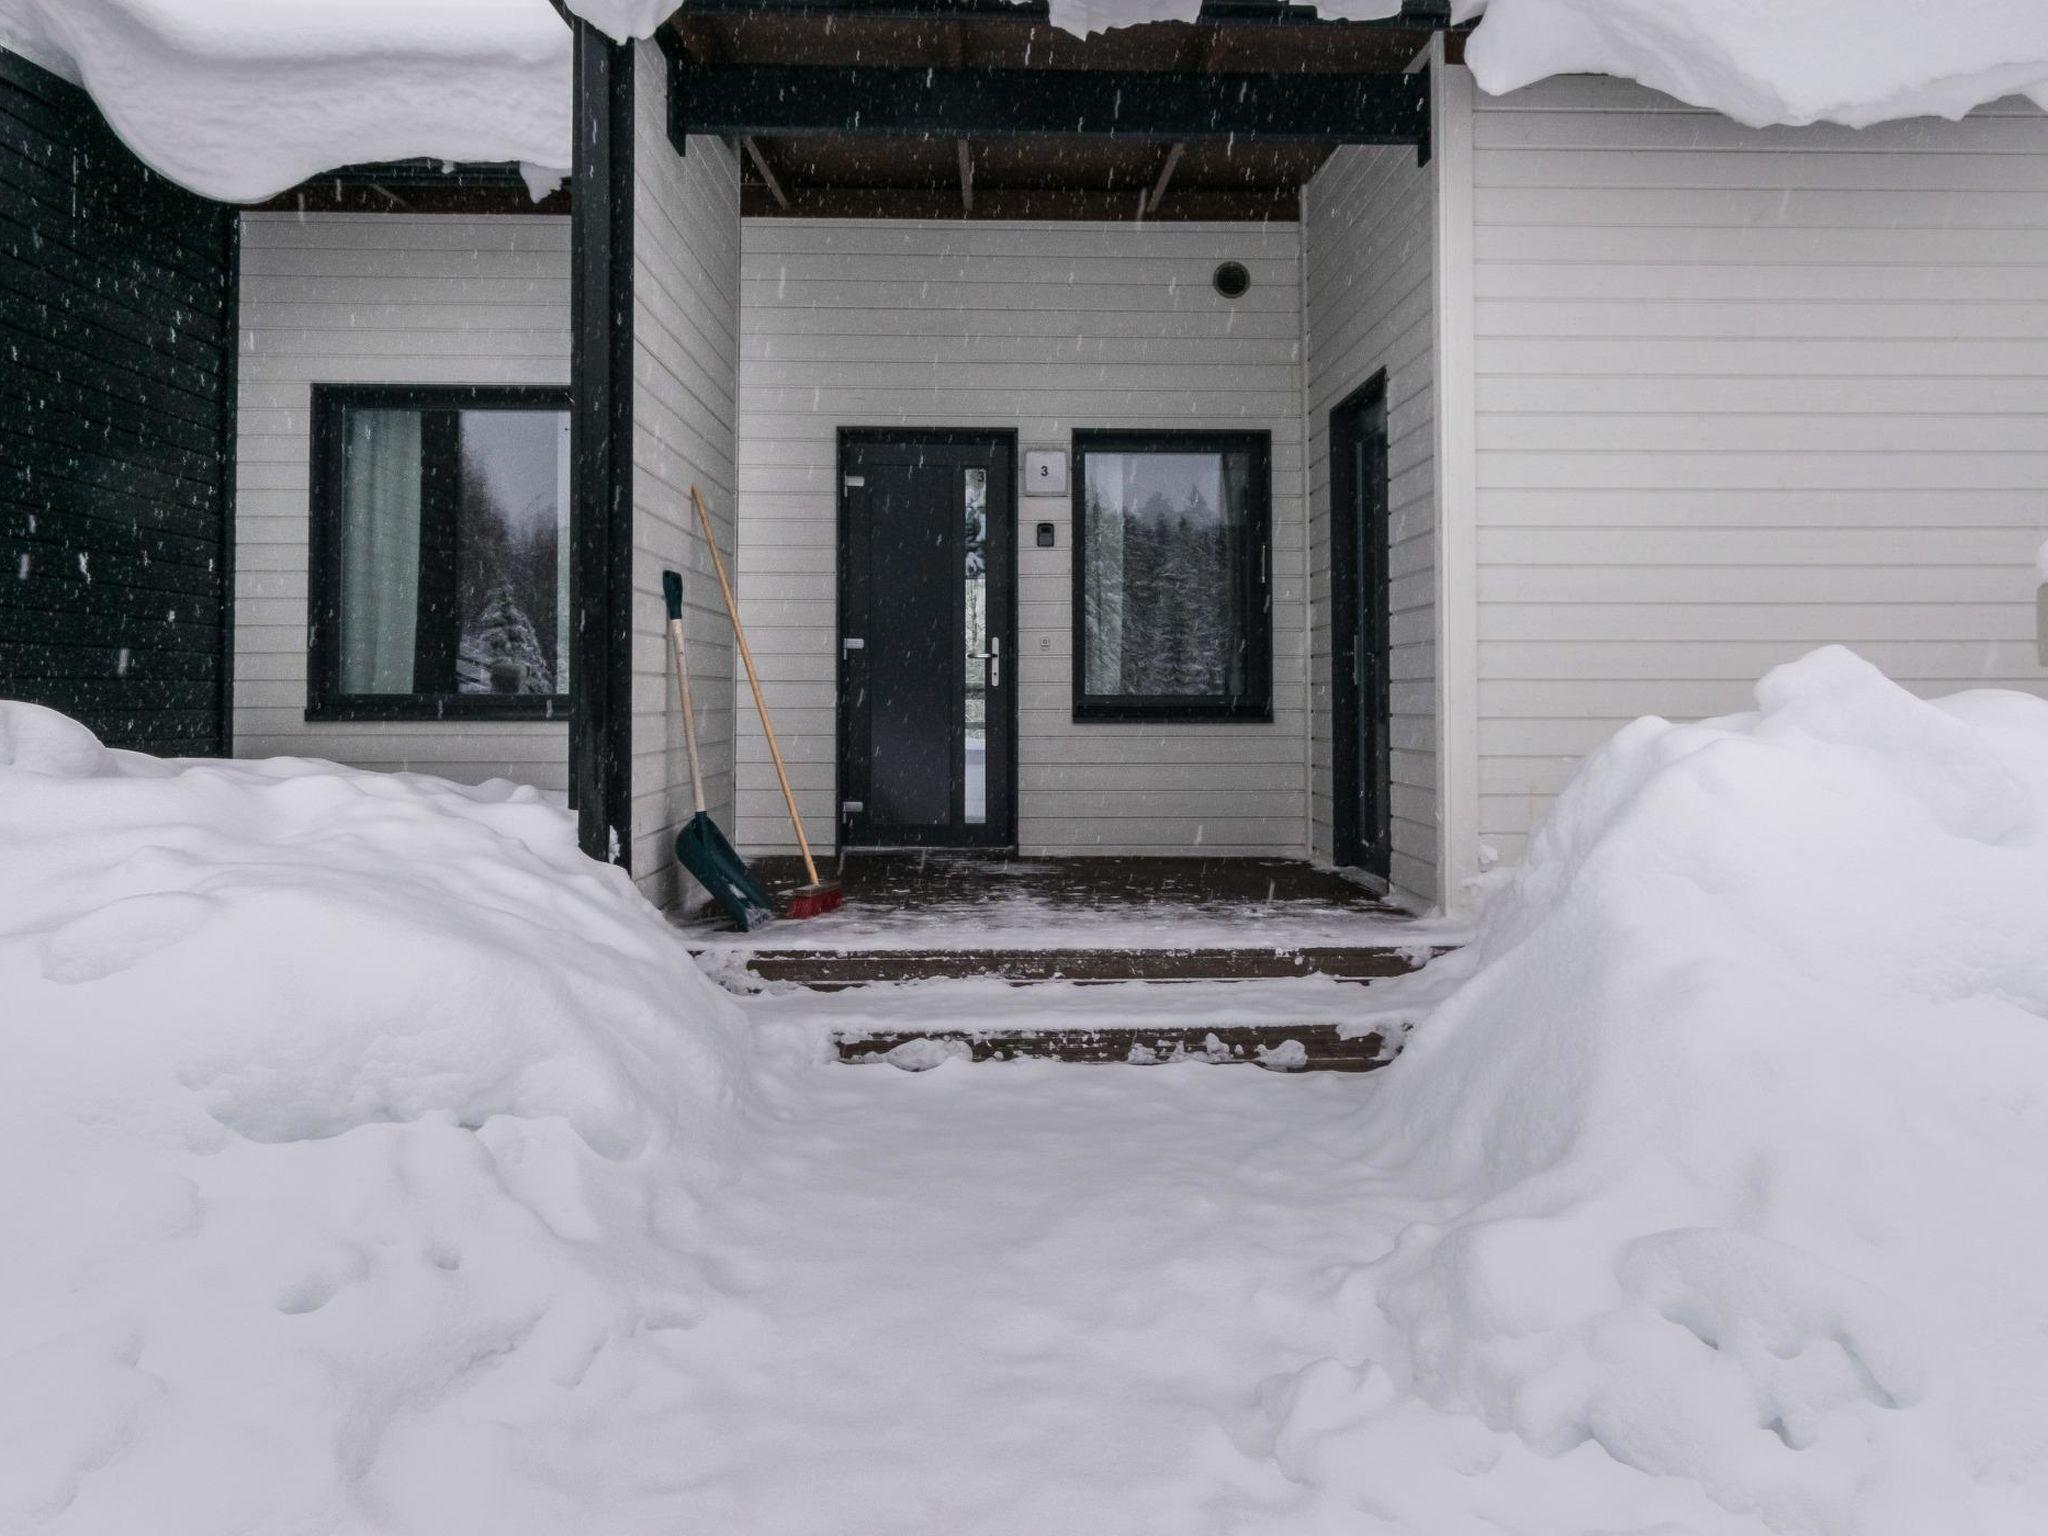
(814, 901)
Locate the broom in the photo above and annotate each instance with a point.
(820, 896)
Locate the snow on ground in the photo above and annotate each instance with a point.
(1026, 921)
(351, 1126)
(1740, 1123)
(990, 1006)
(392, 1174)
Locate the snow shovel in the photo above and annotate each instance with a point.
(820, 896)
(700, 847)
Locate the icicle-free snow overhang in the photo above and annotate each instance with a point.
(984, 109)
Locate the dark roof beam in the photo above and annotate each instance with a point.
(740, 99)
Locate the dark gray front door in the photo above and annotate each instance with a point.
(927, 642)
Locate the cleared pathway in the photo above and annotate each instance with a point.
(1025, 1298)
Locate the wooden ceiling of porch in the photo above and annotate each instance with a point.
(832, 174)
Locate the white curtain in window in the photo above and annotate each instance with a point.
(562, 609)
(380, 552)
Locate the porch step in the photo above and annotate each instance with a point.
(829, 970)
(1284, 1047)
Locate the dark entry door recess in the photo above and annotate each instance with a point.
(927, 639)
(1360, 695)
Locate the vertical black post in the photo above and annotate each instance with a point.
(601, 445)
(230, 453)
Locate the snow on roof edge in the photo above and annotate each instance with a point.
(242, 99)
(1766, 64)
(239, 100)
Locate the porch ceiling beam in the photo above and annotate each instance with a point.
(768, 176)
(773, 99)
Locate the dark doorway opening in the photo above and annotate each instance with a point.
(1360, 693)
(927, 639)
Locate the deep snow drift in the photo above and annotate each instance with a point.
(1738, 1130)
(349, 1125)
(374, 1164)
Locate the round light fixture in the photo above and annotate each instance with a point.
(1231, 279)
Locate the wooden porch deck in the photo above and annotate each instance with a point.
(1098, 922)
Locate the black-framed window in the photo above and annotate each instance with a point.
(1172, 550)
(439, 553)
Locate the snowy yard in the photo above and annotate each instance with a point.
(377, 1164)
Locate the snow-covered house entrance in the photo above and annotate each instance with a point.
(1233, 437)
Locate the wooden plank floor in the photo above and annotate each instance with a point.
(830, 969)
(920, 917)
(880, 883)
(1291, 1047)
(1088, 921)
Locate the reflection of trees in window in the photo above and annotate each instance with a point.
(507, 587)
(975, 603)
(1161, 610)
(441, 550)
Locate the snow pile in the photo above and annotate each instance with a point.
(1774, 61)
(241, 99)
(378, 1164)
(349, 1123)
(1724, 1166)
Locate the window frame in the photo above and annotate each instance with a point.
(1254, 581)
(325, 700)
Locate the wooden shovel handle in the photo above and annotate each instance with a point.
(739, 635)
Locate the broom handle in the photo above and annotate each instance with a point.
(672, 592)
(754, 682)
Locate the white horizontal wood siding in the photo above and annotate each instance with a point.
(1742, 393)
(686, 300)
(1042, 328)
(1369, 226)
(373, 299)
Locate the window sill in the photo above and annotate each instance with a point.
(1174, 714)
(455, 709)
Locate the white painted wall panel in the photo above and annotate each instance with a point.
(1369, 225)
(1742, 393)
(1041, 328)
(686, 291)
(373, 299)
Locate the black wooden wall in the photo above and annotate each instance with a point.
(117, 326)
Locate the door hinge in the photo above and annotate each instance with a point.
(851, 644)
(848, 809)
(853, 482)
